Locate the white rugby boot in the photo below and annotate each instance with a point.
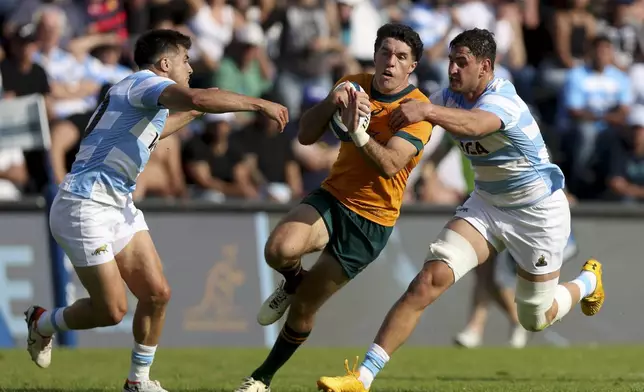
(275, 306)
(251, 385)
(143, 386)
(39, 346)
(519, 337)
(468, 339)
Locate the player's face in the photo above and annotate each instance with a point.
(465, 70)
(179, 68)
(394, 63)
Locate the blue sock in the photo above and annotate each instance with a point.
(375, 359)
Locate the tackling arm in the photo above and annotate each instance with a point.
(462, 122)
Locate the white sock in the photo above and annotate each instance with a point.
(51, 321)
(142, 358)
(587, 282)
(375, 359)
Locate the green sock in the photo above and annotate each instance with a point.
(287, 343)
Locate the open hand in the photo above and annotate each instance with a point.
(409, 112)
(276, 112)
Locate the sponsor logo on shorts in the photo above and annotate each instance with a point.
(100, 250)
(541, 262)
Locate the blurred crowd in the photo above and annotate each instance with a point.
(578, 64)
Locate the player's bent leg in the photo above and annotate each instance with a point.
(458, 249)
(300, 232)
(106, 306)
(324, 279)
(141, 269)
(541, 301)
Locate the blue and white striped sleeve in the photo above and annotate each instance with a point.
(146, 90)
(503, 106)
(438, 97)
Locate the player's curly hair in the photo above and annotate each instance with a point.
(402, 33)
(480, 42)
(154, 43)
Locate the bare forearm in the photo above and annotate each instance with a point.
(177, 121)
(314, 121)
(382, 158)
(221, 101)
(460, 122)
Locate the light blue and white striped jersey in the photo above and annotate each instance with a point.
(119, 139)
(512, 166)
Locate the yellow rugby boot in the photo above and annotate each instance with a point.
(348, 383)
(591, 304)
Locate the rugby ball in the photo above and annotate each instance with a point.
(337, 127)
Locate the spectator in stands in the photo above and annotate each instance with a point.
(274, 168)
(21, 77)
(625, 30)
(74, 89)
(246, 67)
(107, 16)
(215, 169)
(316, 159)
(305, 44)
(213, 23)
(626, 177)
(106, 57)
(29, 11)
(597, 97)
(574, 27)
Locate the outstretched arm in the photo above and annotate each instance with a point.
(175, 97)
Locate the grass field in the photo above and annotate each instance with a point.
(413, 369)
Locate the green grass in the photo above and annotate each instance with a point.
(603, 369)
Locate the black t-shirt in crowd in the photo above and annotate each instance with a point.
(273, 152)
(21, 84)
(221, 166)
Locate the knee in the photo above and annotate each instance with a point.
(431, 282)
(159, 295)
(534, 303)
(531, 318)
(280, 248)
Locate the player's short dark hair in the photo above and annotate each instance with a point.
(402, 33)
(480, 42)
(154, 43)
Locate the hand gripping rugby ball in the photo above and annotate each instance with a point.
(337, 127)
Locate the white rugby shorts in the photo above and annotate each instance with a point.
(92, 233)
(535, 236)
